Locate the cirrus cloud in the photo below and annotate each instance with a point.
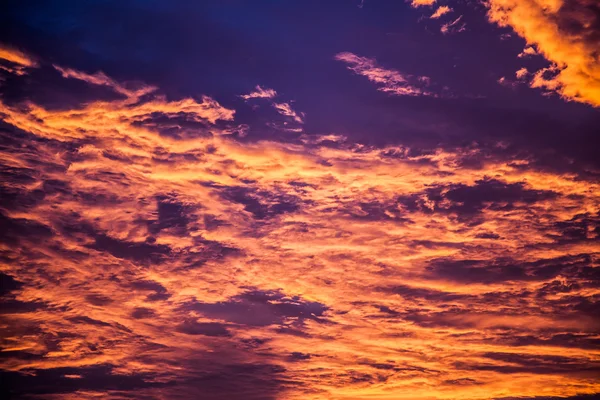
(388, 80)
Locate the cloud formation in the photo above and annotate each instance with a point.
(286, 110)
(310, 269)
(101, 79)
(170, 229)
(16, 56)
(455, 26)
(441, 10)
(15, 61)
(527, 52)
(282, 108)
(422, 3)
(388, 80)
(260, 93)
(565, 32)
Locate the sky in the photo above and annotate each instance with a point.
(271, 200)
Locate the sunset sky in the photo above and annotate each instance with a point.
(271, 200)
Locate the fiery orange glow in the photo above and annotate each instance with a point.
(151, 248)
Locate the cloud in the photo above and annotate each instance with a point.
(286, 110)
(260, 93)
(422, 3)
(111, 118)
(388, 80)
(467, 201)
(283, 108)
(203, 328)
(146, 253)
(262, 204)
(63, 380)
(441, 10)
(506, 82)
(489, 271)
(16, 57)
(527, 52)
(453, 27)
(15, 61)
(101, 79)
(565, 33)
(259, 308)
(522, 73)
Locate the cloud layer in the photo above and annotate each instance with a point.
(305, 201)
(147, 253)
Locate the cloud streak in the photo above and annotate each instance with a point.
(260, 93)
(388, 80)
(15, 61)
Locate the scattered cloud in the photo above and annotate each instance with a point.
(101, 79)
(522, 73)
(422, 3)
(454, 27)
(388, 80)
(16, 57)
(441, 10)
(260, 93)
(283, 108)
(527, 52)
(503, 81)
(15, 61)
(286, 110)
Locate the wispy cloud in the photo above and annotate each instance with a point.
(260, 93)
(99, 78)
(283, 108)
(507, 82)
(521, 75)
(388, 80)
(454, 26)
(286, 110)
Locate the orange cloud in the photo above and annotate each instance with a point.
(422, 3)
(441, 10)
(564, 33)
(521, 73)
(16, 56)
(527, 51)
(15, 61)
(359, 271)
